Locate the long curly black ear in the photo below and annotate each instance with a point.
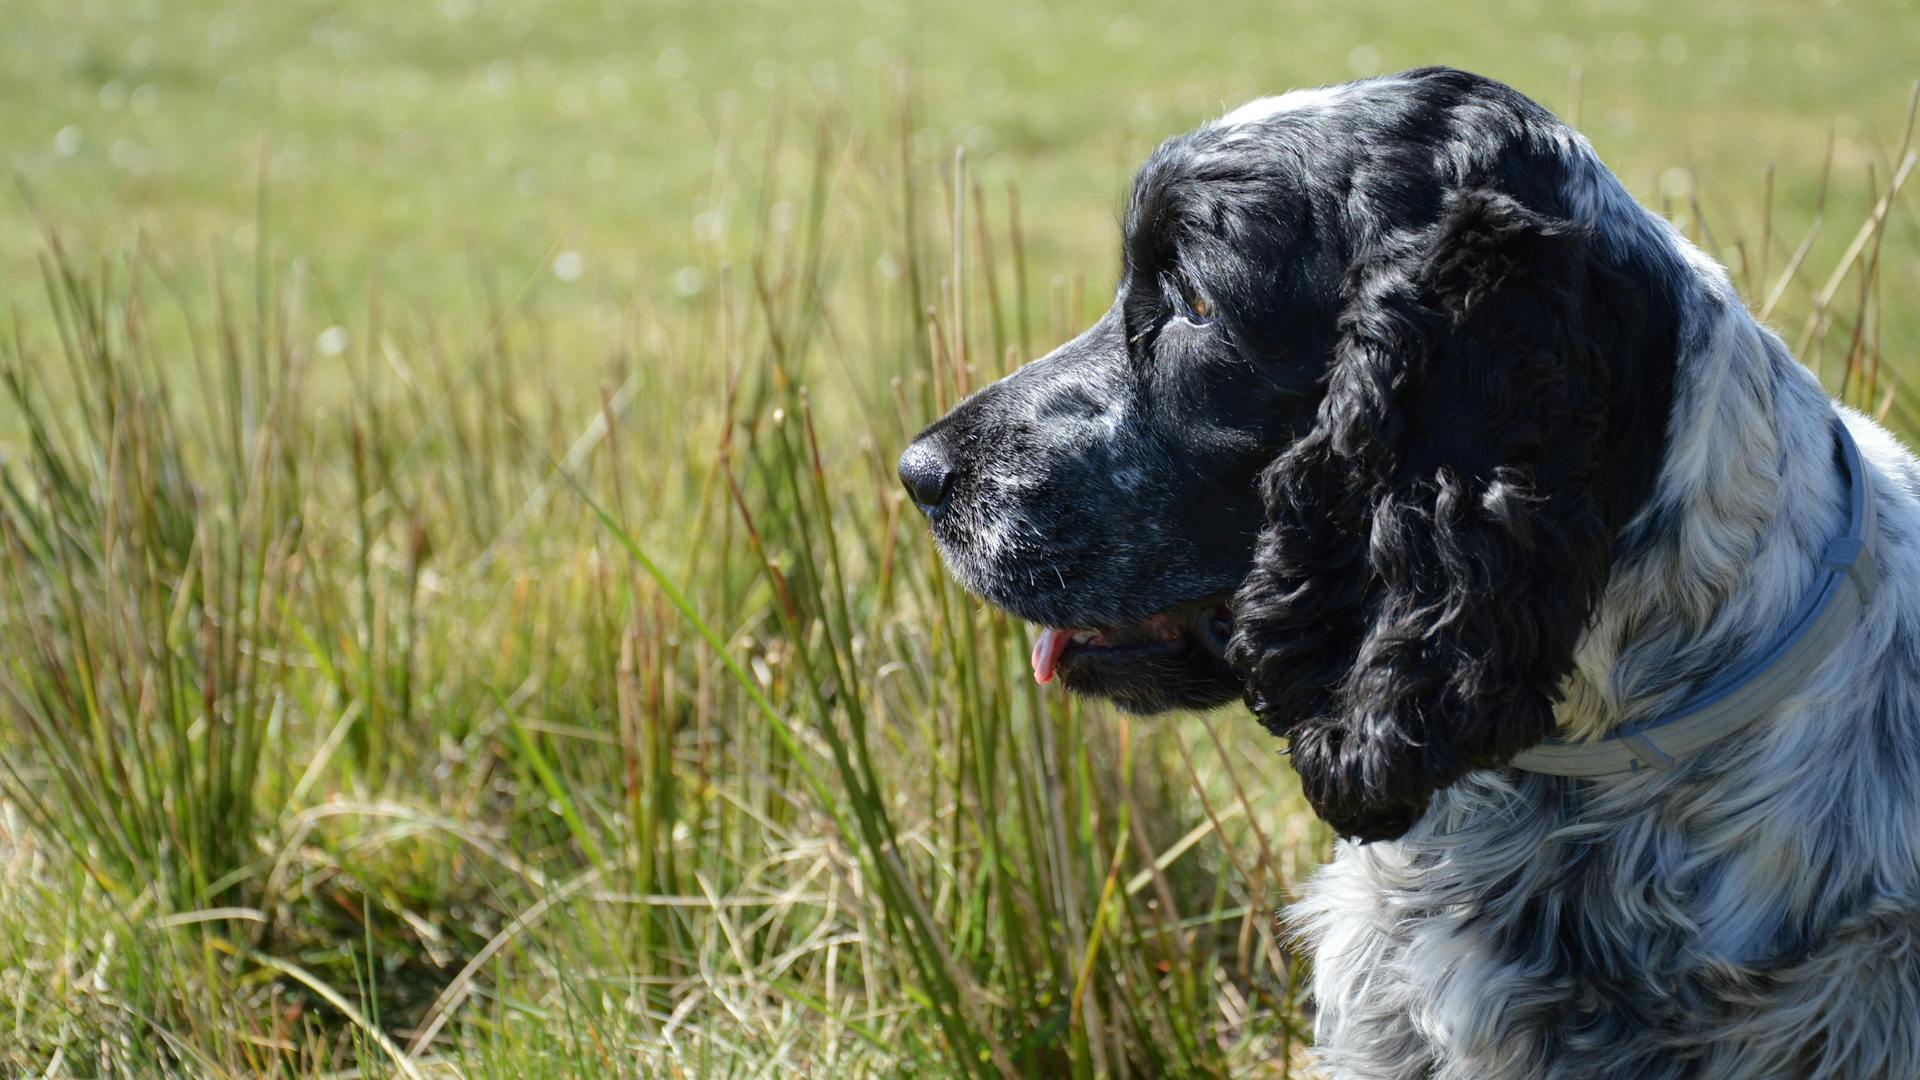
(1437, 541)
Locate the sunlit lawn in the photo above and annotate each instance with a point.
(406, 138)
(456, 615)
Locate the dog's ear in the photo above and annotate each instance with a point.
(1436, 543)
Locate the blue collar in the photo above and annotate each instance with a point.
(1831, 609)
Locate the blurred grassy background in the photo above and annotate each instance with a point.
(405, 135)
(477, 632)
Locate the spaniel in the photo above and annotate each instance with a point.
(1589, 618)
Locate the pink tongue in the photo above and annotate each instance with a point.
(1046, 652)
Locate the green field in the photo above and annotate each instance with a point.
(458, 618)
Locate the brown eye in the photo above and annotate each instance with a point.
(1184, 298)
(1197, 302)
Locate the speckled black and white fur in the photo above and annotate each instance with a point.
(1412, 429)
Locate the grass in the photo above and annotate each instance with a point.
(400, 138)
(492, 723)
(452, 670)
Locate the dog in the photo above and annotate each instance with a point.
(1589, 619)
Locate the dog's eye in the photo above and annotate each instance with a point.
(1198, 303)
(1189, 300)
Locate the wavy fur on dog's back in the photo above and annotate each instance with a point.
(1754, 912)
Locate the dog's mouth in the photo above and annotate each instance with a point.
(1206, 624)
(1171, 659)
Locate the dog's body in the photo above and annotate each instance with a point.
(1410, 426)
(1753, 913)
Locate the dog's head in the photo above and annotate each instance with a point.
(1375, 402)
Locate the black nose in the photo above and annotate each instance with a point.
(926, 473)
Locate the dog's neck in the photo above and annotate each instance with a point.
(1747, 497)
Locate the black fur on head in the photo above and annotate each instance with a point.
(1437, 541)
(1375, 400)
